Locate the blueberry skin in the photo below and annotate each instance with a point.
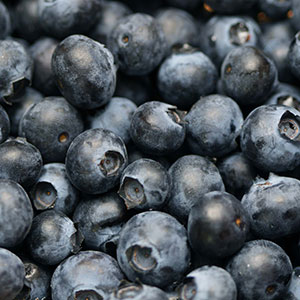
(43, 79)
(61, 18)
(213, 124)
(16, 111)
(100, 219)
(51, 125)
(12, 273)
(208, 282)
(20, 161)
(296, 14)
(218, 225)
(137, 291)
(4, 125)
(230, 6)
(95, 161)
(248, 76)
(238, 174)
(261, 270)
(84, 71)
(138, 44)
(88, 274)
(293, 57)
(265, 142)
(221, 34)
(273, 207)
(153, 248)
(178, 26)
(16, 213)
(16, 67)
(186, 76)
(192, 176)
(294, 285)
(5, 22)
(275, 9)
(52, 238)
(157, 128)
(115, 116)
(145, 184)
(110, 15)
(53, 190)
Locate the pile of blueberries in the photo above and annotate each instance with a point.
(150, 150)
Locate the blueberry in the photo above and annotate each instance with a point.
(238, 174)
(272, 205)
(295, 13)
(275, 9)
(16, 213)
(4, 125)
(218, 225)
(111, 13)
(84, 71)
(20, 161)
(261, 270)
(12, 273)
(5, 22)
(61, 18)
(229, 6)
(137, 291)
(192, 176)
(294, 55)
(213, 124)
(54, 190)
(157, 128)
(16, 67)
(95, 161)
(145, 184)
(248, 76)
(100, 219)
(52, 238)
(294, 285)
(185, 76)
(43, 79)
(51, 125)
(208, 282)
(153, 248)
(269, 138)
(115, 116)
(86, 275)
(138, 44)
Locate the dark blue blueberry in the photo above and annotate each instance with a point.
(96, 160)
(51, 125)
(221, 34)
(294, 55)
(20, 161)
(5, 22)
(84, 71)
(248, 75)
(61, 18)
(16, 67)
(157, 128)
(192, 176)
(238, 174)
(100, 219)
(54, 190)
(15, 214)
(153, 248)
(208, 282)
(213, 124)
(86, 275)
(145, 184)
(138, 44)
(275, 9)
(229, 6)
(110, 14)
(185, 76)
(4, 125)
(270, 138)
(261, 270)
(115, 116)
(52, 238)
(273, 206)
(43, 79)
(218, 225)
(178, 26)
(137, 291)
(12, 273)
(295, 14)
(294, 285)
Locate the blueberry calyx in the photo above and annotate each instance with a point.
(111, 163)
(288, 100)
(44, 195)
(87, 295)
(239, 34)
(177, 115)
(188, 290)
(289, 126)
(128, 290)
(183, 49)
